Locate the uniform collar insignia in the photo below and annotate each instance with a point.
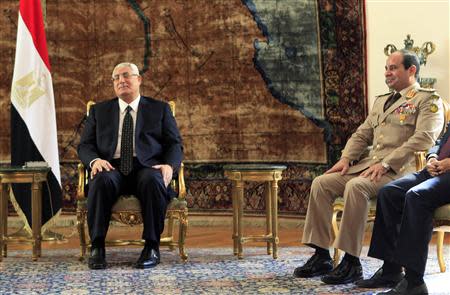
(411, 93)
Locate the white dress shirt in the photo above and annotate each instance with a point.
(122, 111)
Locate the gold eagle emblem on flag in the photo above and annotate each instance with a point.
(28, 89)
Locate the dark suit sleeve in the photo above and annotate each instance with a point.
(172, 145)
(87, 149)
(435, 149)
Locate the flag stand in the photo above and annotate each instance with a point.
(24, 233)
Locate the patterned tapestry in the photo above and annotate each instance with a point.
(277, 81)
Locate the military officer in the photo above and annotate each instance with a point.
(406, 120)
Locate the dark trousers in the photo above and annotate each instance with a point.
(146, 184)
(404, 218)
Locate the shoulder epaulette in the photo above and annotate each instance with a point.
(435, 96)
(389, 93)
(426, 89)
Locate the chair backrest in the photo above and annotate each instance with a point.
(88, 106)
(446, 114)
(172, 107)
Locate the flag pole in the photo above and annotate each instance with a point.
(47, 234)
(44, 12)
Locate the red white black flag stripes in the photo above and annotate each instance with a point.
(33, 118)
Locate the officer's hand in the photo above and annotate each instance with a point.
(374, 172)
(443, 166)
(432, 166)
(166, 171)
(342, 165)
(100, 165)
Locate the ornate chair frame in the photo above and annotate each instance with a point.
(129, 214)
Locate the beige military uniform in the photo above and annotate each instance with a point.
(412, 123)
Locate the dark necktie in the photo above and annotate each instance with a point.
(391, 100)
(444, 152)
(126, 144)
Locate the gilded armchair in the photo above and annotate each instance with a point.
(127, 211)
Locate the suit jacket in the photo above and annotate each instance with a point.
(157, 139)
(441, 141)
(411, 124)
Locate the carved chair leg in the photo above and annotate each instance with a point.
(182, 235)
(81, 219)
(336, 256)
(170, 230)
(334, 224)
(440, 245)
(268, 216)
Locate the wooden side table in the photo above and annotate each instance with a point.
(270, 174)
(34, 176)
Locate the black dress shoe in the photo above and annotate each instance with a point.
(344, 273)
(380, 280)
(149, 258)
(315, 266)
(402, 289)
(97, 258)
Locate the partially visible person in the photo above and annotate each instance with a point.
(406, 120)
(131, 145)
(404, 223)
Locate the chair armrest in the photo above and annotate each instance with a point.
(178, 184)
(421, 160)
(181, 183)
(82, 180)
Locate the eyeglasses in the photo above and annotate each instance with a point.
(125, 75)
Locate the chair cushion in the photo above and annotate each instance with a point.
(130, 203)
(177, 204)
(127, 203)
(82, 204)
(372, 204)
(442, 213)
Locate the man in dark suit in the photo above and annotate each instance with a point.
(404, 223)
(132, 145)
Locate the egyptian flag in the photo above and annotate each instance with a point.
(33, 119)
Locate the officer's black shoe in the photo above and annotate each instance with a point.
(315, 266)
(346, 272)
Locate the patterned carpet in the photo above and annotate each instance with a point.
(208, 271)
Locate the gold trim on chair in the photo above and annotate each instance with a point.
(442, 226)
